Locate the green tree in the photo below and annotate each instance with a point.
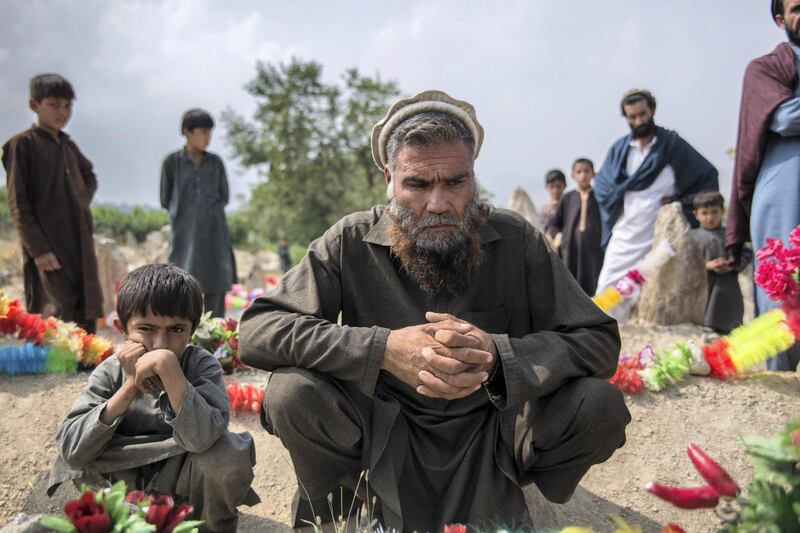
(310, 142)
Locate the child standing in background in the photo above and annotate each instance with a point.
(725, 306)
(554, 183)
(194, 189)
(576, 228)
(50, 185)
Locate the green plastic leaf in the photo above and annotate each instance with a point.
(187, 526)
(57, 523)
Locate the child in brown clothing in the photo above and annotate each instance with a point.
(50, 186)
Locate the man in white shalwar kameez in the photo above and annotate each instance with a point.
(644, 170)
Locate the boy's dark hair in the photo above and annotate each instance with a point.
(584, 161)
(708, 199)
(637, 95)
(196, 118)
(166, 290)
(555, 175)
(50, 85)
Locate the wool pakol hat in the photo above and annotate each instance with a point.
(431, 100)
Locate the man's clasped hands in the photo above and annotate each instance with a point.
(446, 358)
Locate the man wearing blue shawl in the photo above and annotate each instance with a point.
(648, 168)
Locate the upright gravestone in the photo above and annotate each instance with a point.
(677, 292)
(520, 202)
(111, 268)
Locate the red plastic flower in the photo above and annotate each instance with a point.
(454, 528)
(773, 248)
(233, 344)
(776, 282)
(627, 378)
(636, 276)
(87, 515)
(231, 324)
(794, 237)
(164, 514)
(135, 497)
(719, 360)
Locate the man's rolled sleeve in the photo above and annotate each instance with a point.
(373, 367)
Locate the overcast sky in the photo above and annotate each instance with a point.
(545, 76)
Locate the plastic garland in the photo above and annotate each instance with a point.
(239, 298)
(245, 398)
(220, 336)
(50, 345)
(629, 287)
(725, 358)
(748, 345)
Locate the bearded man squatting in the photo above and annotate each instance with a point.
(436, 343)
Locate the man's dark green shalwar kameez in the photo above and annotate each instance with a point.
(544, 417)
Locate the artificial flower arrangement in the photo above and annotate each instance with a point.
(220, 336)
(49, 345)
(239, 297)
(772, 501)
(733, 355)
(111, 510)
(246, 398)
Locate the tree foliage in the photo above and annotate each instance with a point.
(310, 142)
(117, 223)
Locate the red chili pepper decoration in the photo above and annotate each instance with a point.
(715, 475)
(685, 498)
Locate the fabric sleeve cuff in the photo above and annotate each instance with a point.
(170, 417)
(373, 367)
(98, 411)
(504, 388)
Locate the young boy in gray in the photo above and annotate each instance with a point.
(725, 306)
(194, 189)
(156, 413)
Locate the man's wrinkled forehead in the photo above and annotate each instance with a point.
(444, 161)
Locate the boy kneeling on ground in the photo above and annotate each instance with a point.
(156, 413)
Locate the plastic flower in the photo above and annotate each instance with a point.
(135, 497)
(794, 237)
(87, 515)
(164, 514)
(773, 249)
(778, 284)
(95, 350)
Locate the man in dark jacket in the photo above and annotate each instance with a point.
(437, 344)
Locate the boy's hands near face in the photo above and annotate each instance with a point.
(160, 370)
(119, 403)
(130, 352)
(47, 262)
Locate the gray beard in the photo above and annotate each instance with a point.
(438, 261)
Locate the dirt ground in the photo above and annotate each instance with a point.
(700, 410)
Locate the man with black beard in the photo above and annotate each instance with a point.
(437, 344)
(765, 190)
(647, 168)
